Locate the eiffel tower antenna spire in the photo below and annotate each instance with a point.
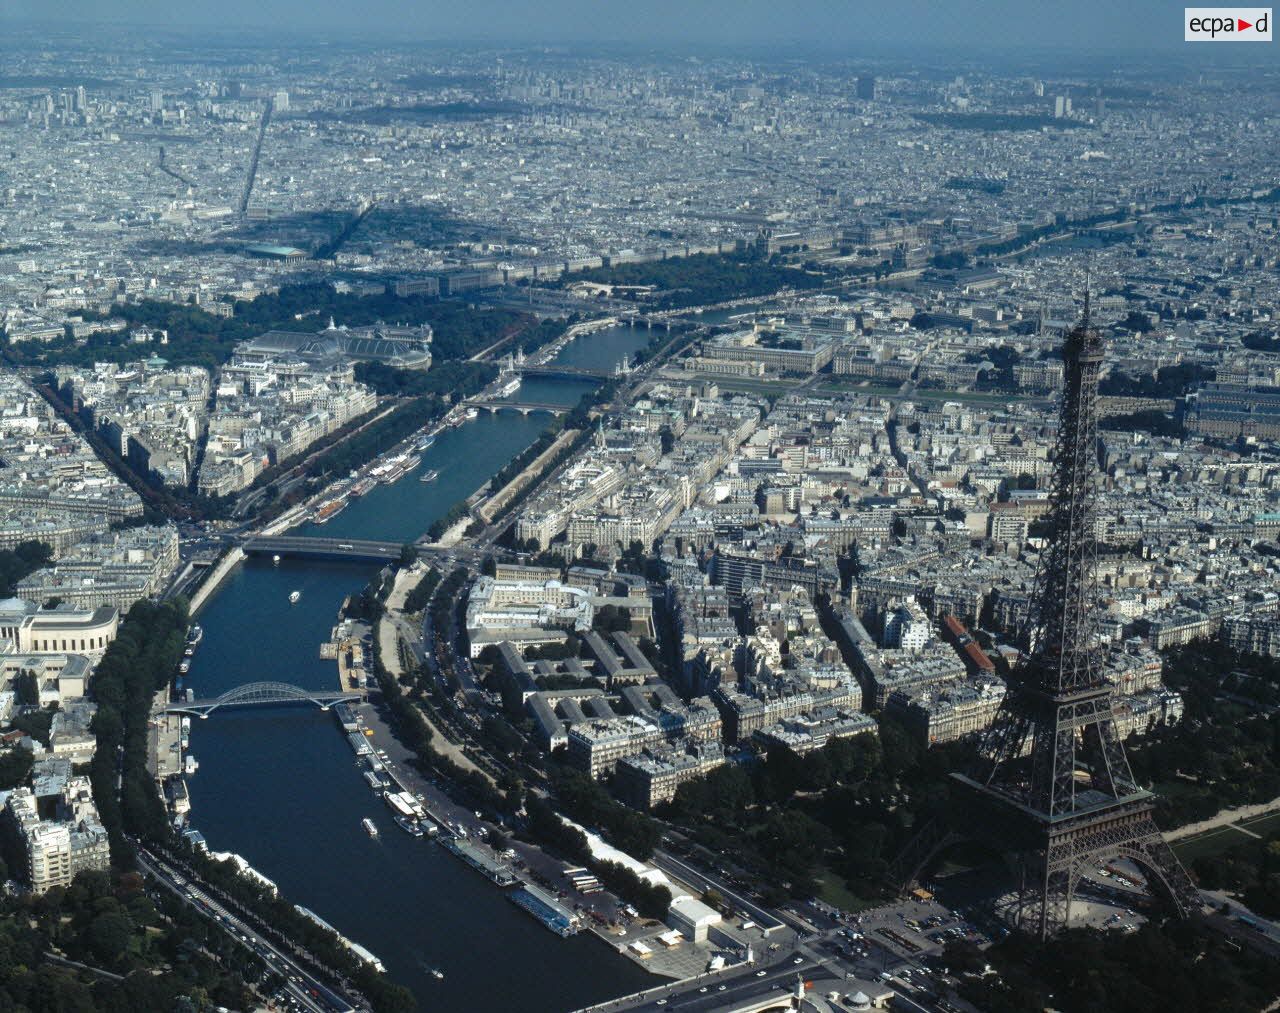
(1088, 271)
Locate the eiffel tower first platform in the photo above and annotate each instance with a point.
(1053, 786)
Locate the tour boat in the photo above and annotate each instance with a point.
(409, 825)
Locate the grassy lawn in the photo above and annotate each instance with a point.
(832, 889)
(981, 397)
(1173, 789)
(753, 386)
(967, 396)
(1212, 842)
(860, 387)
(1267, 825)
(1220, 840)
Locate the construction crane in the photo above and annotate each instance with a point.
(253, 161)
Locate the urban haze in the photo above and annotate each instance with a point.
(721, 507)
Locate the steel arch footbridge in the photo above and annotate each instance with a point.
(260, 694)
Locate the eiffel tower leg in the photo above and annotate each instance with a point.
(1138, 839)
(1151, 850)
(1027, 912)
(1056, 888)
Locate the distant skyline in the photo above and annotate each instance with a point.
(979, 27)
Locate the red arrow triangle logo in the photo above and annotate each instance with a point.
(1243, 25)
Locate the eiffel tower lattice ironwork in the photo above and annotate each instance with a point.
(1053, 760)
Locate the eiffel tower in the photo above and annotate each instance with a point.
(1053, 776)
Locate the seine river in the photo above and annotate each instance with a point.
(280, 786)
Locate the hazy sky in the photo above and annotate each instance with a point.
(981, 26)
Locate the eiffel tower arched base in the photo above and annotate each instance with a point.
(1049, 858)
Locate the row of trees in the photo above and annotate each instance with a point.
(586, 800)
(138, 663)
(197, 337)
(845, 809)
(704, 278)
(23, 559)
(447, 520)
(444, 377)
(287, 927)
(557, 459)
(170, 957)
(384, 434)
(413, 729)
(579, 418)
(526, 457)
(1176, 965)
(1222, 753)
(514, 467)
(543, 333)
(569, 842)
(416, 600)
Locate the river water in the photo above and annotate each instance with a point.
(280, 786)
(603, 349)
(465, 458)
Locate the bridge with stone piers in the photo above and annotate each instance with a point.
(350, 550)
(523, 407)
(259, 694)
(356, 550)
(553, 372)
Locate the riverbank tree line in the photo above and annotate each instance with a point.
(169, 957)
(704, 278)
(291, 930)
(545, 827)
(384, 434)
(163, 950)
(411, 727)
(579, 418)
(418, 596)
(140, 662)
